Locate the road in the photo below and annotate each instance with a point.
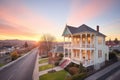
(20, 70)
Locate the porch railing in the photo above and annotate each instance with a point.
(79, 45)
(84, 62)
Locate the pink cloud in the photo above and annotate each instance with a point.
(81, 14)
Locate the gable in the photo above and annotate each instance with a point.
(66, 32)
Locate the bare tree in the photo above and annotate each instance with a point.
(26, 45)
(46, 43)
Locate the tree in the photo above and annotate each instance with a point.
(110, 41)
(26, 45)
(46, 43)
(116, 41)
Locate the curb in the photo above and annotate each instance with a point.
(36, 71)
(7, 65)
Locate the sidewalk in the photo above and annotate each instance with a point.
(46, 71)
(115, 76)
(36, 70)
(104, 71)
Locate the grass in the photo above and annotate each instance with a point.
(48, 66)
(43, 61)
(60, 75)
(1, 65)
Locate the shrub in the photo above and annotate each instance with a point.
(82, 68)
(113, 57)
(14, 55)
(73, 70)
(80, 76)
(57, 63)
(61, 55)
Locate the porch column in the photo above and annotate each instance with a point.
(68, 41)
(86, 43)
(90, 57)
(80, 40)
(94, 42)
(64, 47)
(64, 39)
(71, 40)
(85, 56)
(80, 55)
(91, 40)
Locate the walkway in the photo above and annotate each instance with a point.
(58, 68)
(43, 64)
(103, 74)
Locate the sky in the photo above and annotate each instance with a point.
(30, 19)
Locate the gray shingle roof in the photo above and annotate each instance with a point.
(82, 28)
(57, 49)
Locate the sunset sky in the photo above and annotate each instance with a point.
(29, 19)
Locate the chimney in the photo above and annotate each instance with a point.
(97, 28)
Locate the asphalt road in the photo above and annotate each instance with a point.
(20, 70)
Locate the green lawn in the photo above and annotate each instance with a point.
(1, 65)
(60, 75)
(43, 60)
(48, 66)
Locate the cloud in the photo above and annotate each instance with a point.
(80, 13)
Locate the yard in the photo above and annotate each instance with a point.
(60, 75)
(43, 61)
(1, 64)
(48, 66)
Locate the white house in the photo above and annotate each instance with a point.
(85, 45)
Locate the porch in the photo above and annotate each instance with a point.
(86, 57)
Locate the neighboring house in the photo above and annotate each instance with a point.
(55, 52)
(112, 44)
(6, 49)
(84, 45)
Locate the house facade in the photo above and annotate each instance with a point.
(85, 45)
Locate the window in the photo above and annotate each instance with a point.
(99, 53)
(99, 40)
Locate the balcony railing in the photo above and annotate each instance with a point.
(79, 45)
(87, 62)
